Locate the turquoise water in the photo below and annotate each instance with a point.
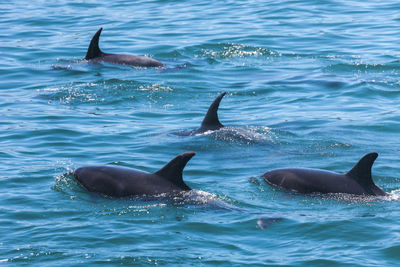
(309, 84)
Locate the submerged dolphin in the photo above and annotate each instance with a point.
(357, 181)
(210, 121)
(94, 54)
(117, 181)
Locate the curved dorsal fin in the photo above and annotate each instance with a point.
(94, 50)
(211, 121)
(172, 171)
(361, 172)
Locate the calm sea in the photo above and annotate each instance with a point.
(309, 84)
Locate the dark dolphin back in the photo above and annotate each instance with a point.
(361, 173)
(173, 170)
(211, 121)
(94, 50)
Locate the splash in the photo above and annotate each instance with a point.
(392, 196)
(231, 50)
(247, 135)
(65, 184)
(243, 135)
(155, 88)
(264, 222)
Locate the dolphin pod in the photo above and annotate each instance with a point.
(94, 54)
(121, 182)
(357, 181)
(117, 181)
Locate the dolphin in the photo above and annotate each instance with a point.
(115, 181)
(210, 121)
(94, 54)
(357, 181)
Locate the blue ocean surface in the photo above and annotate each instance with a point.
(309, 84)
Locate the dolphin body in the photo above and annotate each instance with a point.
(117, 181)
(94, 54)
(210, 121)
(357, 181)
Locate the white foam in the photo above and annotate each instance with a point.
(392, 196)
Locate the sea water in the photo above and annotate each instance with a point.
(309, 84)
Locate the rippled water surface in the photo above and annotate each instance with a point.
(309, 84)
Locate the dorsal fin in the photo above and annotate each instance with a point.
(211, 121)
(94, 50)
(361, 172)
(172, 171)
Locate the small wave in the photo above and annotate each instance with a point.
(64, 183)
(29, 253)
(103, 91)
(244, 135)
(360, 66)
(264, 222)
(232, 50)
(72, 93)
(71, 67)
(392, 196)
(248, 135)
(155, 88)
(203, 199)
(348, 197)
